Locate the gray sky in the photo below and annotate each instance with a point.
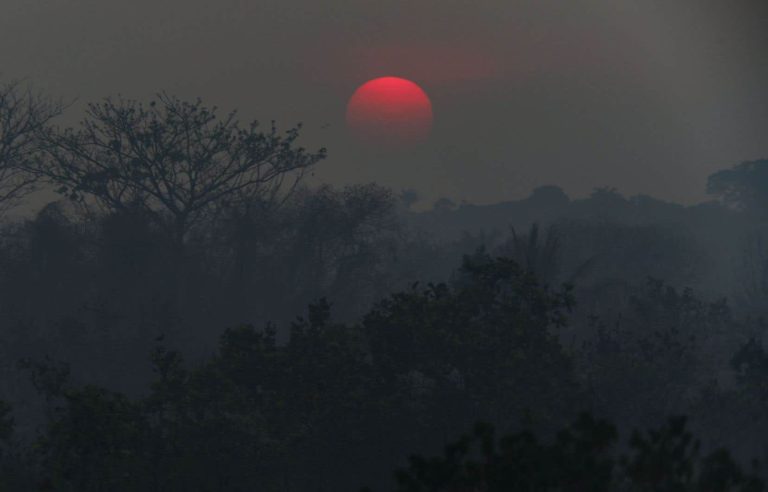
(648, 96)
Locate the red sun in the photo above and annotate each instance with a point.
(390, 110)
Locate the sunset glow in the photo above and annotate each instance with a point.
(390, 110)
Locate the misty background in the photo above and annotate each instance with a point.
(648, 97)
(564, 288)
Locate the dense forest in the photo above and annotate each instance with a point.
(191, 314)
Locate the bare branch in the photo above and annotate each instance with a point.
(174, 158)
(24, 114)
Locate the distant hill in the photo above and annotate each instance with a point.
(716, 233)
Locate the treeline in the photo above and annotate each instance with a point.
(581, 457)
(338, 406)
(150, 341)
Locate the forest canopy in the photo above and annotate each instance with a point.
(191, 313)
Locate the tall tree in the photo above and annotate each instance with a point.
(172, 158)
(23, 113)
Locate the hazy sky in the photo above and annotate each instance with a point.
(648, 96)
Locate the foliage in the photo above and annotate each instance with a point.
(581, 458)
(483, 341)
(743, 186)
(203, 223)
(668, 348)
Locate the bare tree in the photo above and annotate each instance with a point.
(172, 158)
(23, 114)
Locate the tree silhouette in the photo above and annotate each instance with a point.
(472, 348)
(23, 114)
(173, 158)
(744, 187)
(581, 459)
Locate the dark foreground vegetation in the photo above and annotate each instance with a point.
(190, 315)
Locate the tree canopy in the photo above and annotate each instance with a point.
(176, 159)
(744, 186)
(24, 114)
